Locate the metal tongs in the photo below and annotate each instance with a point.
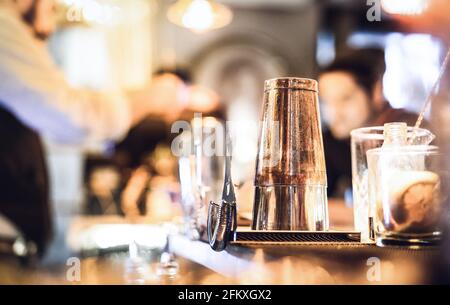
(222, 219)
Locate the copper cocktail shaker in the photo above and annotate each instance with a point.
(290, 181)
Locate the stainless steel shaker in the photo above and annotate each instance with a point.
(290, 181)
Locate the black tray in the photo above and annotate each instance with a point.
(295, 237)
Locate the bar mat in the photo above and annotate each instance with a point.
(295, 237)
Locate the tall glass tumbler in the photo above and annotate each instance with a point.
(201, 171)
(362, 140)
(209, 152)
(290, 180)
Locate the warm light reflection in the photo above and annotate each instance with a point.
(104, 236)
(202, 99)
(402, 7)
(199, 15)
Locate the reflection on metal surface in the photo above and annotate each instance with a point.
(222, 219)
(290, 176)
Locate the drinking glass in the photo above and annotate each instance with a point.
(201, 171)
(362, 140)
(405, 189)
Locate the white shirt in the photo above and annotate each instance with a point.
(35, 90)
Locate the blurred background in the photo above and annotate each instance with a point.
(215, 56)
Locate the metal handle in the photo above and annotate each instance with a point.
(221, 224)
(222, 219)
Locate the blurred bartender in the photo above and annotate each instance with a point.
(36, 100)
(351, 94)
(36, 92)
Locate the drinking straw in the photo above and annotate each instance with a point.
(433, 90)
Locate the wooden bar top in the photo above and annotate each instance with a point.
(239, 264)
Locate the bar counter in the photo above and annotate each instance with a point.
(312, 264)
(241, 264)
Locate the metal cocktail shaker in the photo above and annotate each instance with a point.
(290, 180)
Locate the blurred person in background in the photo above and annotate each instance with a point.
(351, 95)
(130, 156)
(143, 155)
(142, 138)
(31, 83)
(36, 100)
